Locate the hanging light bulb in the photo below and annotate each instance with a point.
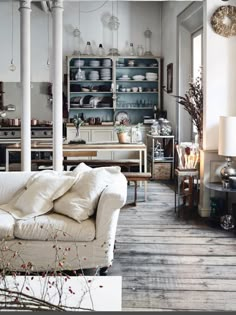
(113, 22)
(77, 33)
(113, 25)
(12, 66)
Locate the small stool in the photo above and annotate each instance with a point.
(184, 187)
(137, 177)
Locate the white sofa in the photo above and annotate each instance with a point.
(90, 246)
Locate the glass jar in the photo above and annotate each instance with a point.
(131, 50)
(165, 127)
(155, 128)
(88, 49)
(140, 50)
(101, 50)
(148, 35)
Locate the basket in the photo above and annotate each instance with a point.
(161, 171)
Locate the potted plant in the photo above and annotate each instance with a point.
(192, 102)
(121, 131)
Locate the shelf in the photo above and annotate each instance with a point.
(79, 81)
(89, 67)
(91, 92)
(136, 67)
(136, 92)
(134, 108)
(117, 80)
(72, 108)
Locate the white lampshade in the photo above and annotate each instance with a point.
(227, 136)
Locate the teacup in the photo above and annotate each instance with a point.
(134, 89)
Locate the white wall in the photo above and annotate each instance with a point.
(219, 77)
(41, 107)
(170, 11)
(134, 18)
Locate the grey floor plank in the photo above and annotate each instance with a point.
(171, 263)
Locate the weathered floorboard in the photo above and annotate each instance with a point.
(171, 263)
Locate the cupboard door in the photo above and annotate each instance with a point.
(102, 135)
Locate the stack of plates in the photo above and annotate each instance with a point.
(106, 74)
(94, 63)
(124, 77)
(151, 76)
(106, 63)
(79, 63)
(93, 75)
(138, 77)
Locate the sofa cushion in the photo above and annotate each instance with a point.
(6, 226)
(54, 227)
(81, 201)
(40, 191)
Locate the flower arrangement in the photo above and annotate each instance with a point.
(192, 102)
(77, 121)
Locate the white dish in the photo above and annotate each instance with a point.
(123, 79)
(122, 116)
(138, 77)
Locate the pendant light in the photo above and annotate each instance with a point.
(12, 66)
(77, 33)
(113, 25)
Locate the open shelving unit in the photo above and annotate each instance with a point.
(138, 97)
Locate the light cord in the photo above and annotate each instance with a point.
(98, 8)
(48, 60)
(12, 38)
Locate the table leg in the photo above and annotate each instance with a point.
(7, 160)
(145, 170)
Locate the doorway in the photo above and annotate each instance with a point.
(189, 57)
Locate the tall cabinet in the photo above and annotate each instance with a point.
(112, 88)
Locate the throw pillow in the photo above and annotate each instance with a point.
(37, 198)
(80, 202)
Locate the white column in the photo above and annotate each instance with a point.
(57, 81)
(25, 59)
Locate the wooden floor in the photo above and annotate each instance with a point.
(170, 263)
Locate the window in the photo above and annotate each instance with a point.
(196, 53)
(196, 58)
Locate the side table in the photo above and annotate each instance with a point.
(219, 187)
(185, 181)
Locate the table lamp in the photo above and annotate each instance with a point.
(227, 146)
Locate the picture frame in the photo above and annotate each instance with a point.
(169, 78)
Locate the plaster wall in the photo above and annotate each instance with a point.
(169, 15)
(219, 96)
(134, 17)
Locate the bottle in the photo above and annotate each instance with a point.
(101, 50)
(140, 50)
(131, 50)
(88, 49)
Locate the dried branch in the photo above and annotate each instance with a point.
(192, 102)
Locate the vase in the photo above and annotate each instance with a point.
(198, 139)
(122, 137)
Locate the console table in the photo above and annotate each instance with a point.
(37, 146)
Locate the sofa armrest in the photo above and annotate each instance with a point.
(111, 200)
